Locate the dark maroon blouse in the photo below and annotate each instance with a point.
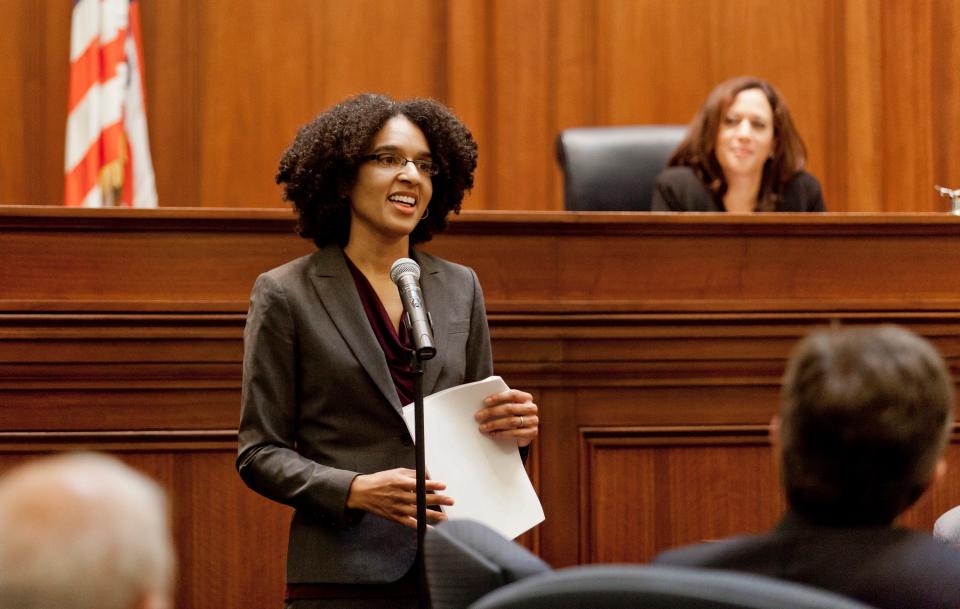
(398, 350)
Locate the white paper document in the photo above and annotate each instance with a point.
(484, 476)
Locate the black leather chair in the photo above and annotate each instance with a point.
(465, 560)
(613, 168)
(655, 587)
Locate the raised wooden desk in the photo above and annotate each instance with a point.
(654, 345)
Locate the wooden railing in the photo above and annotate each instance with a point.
(654, 345)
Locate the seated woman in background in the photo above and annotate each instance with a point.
(741, 154)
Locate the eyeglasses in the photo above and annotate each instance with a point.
(392, 160)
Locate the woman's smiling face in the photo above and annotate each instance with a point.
(745, 138)
(388, 201)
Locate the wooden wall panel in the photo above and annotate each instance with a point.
(121, 331)
(574, 48)
(870, 84)
(33, 101)
(909, 126)
(521, 55)
(392, 48)
(175, 98)
(468, 76)
(854, 158)
(255, 84)
(13, 156)
(683, 489)
(945, 37)
(248, 94)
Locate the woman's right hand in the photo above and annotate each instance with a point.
(392, 494)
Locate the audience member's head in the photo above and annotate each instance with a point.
(865, 414)
(83, 531)
(947, 527)
(702, 149)
(320, 167)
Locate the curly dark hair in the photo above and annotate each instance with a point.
(319, 168)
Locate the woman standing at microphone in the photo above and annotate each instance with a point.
(327, 354)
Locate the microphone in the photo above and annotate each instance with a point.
(406, 274)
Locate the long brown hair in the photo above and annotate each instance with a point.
(698, 148)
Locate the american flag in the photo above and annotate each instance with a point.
(108, 149)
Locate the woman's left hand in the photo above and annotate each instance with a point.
(509, 414)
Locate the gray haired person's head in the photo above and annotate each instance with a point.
(947, 527)
(83, 531)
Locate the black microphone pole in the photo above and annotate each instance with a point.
(406, 274)
(416, 366)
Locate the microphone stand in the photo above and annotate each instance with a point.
(416, 367)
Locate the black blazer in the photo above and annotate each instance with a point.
(319, 406)
(885, 567)
(679, 189)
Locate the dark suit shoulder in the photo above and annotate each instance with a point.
(895, 568)
(680, 178)
(433, 264)
(295, 282)
(802, 193)
(296, 267)
(679, 174)
(717, 554)
(679, 189)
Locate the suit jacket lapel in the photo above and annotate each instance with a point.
(436, 297)
(338, 294)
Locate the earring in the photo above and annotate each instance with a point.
(425, 214)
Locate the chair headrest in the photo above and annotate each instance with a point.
(613, 168)
(658, 587)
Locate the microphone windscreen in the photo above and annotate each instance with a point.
(404, 266)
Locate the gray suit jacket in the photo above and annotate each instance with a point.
(319, 406)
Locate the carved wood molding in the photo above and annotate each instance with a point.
(119, 441)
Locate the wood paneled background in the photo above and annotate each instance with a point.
(873, 85)
(121, 330)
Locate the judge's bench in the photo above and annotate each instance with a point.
(653, 344)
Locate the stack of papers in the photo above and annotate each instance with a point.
(484, 475)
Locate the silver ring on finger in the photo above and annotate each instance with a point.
(521, 423)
